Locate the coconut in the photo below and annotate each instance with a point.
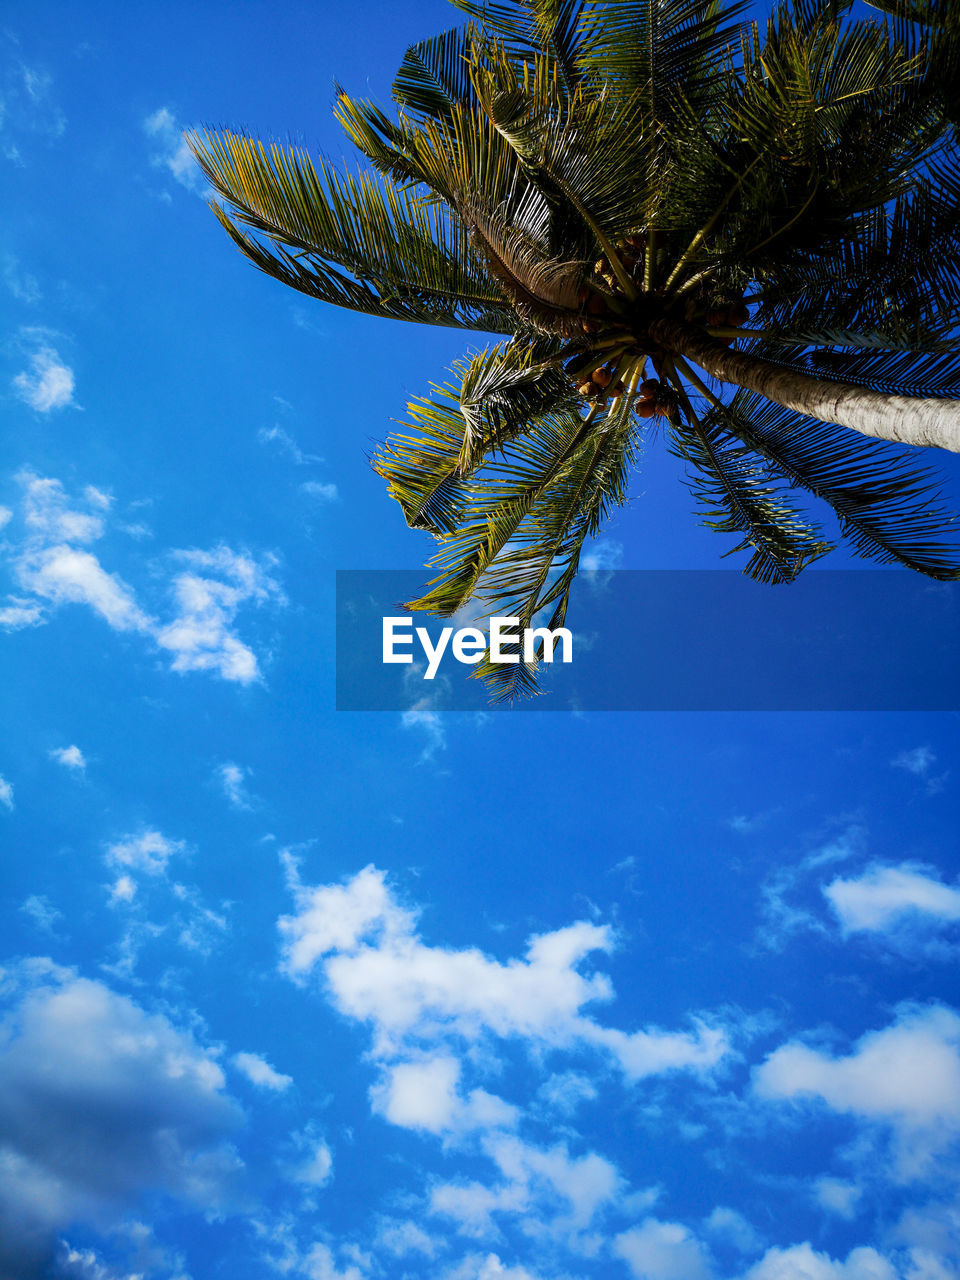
(650, 389)
(602, 377)
(738, 314)
(586, 388)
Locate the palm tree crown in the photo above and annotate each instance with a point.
(748, 238)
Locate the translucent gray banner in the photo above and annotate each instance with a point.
(664, 640)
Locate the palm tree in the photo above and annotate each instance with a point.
(743, 240)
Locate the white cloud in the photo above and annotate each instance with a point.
(124, 889)
(401, 1236)
(100, 1103)
(172, 151)
(201, 637)
(565, 1091)
(487, 1267)
(319, 491)
(785, 910)
(149, 851)
(837, 1196)
(420, 1095)
(424, 1095)
(918, 760)
(647, 1053)
(48, 384)
(47, 512)
(42, 912)
(663, 1251)
(882, 896)
(6, 793)
(727, 1224)
(232, 779)
(52, 564)
(285, 443)
(28, 108)
(905, 1077)
(422, 718)
(602, 556)
(70, 757)
(259, 1072)
(64, 575)
(19, 613)
(558, 1194)
(802, 1262)
(314, 1168)
(378, 970)
(22, 285)
(319, 1264)
(196, 926)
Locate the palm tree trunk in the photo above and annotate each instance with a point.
(904, 419)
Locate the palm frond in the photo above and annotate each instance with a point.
(736, 489)
(518, 543)
(434, 78)
(885, 502)
(493, 399)
(666, 50)
(314, 229)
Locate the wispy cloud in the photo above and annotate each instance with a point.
(48, 383)
(232, 778)
(21, 284)
(28, 109)
(259, 1072)
(422, 718)
(903, 1079)
(41, 912)
(54, 566)
(209, 595)
(6, 793)
(917, 760)
(152, 905)
(285, 443)
(148, 852)
(319, 491)
(837, 1196)
(379, 971)
(920, 761)
(171, 151)
(70, 757)
(663, 1251)
(883, 895)
(602, 556)
(788, 906)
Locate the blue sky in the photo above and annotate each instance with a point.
(339, 996)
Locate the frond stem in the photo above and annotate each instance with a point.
(708, 226)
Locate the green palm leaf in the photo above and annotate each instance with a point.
(618, 183)
(884, 501)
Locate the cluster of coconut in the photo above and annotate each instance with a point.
(631, 254)
(735, 315)
(653, 397)
(599, 308)
(597, 385)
